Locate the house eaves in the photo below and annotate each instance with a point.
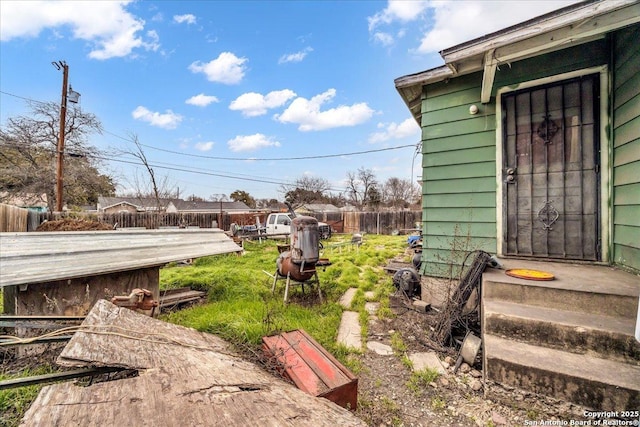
(569, 26)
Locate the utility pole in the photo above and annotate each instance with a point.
(61, 65)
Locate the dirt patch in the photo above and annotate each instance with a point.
(388, 394)
(73, 225)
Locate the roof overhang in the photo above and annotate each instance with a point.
(569, 26)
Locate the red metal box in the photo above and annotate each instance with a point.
(312, 368)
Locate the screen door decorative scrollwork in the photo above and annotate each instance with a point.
(551, 171)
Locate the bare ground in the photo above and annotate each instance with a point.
(387, 397)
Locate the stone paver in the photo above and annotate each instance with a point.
(369, 295)
(349, 333)
(422, 361)
(347, 298)
(380, 348)
(372, 307)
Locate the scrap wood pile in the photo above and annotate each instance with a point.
(185, 377)
(73, 225)
(452, 316)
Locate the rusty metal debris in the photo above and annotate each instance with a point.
(450, 316)
(141, 299)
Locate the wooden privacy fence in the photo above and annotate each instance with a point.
(340, 222)
(15, 219)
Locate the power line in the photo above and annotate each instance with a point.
(178, 168)
(240, 159)
(22, 97)
(266, 159)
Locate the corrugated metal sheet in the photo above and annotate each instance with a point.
(48, 256)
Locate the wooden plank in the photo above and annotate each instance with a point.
(185, 377)
(465, 126)
(627, 153)
(626, 194)
(627, 174)
(627, 132)
(470, 170)
(461, 157)
(454, 143)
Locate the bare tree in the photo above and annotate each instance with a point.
(28, 150)
(362, 188)
(218, 197)
(157, 188)
(399, 193)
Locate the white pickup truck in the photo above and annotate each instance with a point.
(280, 224)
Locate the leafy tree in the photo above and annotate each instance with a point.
(243, 196)
(300, 196)
(374, 197)
(306, 189)
(28, 146)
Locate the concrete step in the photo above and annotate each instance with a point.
(596, 383)
(608, 337)
(582, 288)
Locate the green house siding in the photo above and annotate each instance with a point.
(459, 184)
(459, 153)
(626, 147)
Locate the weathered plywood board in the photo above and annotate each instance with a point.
(75, 297)
(186, 378)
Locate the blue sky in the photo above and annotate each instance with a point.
(228, 95)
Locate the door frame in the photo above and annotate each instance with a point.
(605, 154)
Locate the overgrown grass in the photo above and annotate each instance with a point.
(242, 309)
(14, 402)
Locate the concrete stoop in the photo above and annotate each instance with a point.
(605, 336)
(586, 380)
(570, 339)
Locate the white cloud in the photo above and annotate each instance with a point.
(254, 104)
(204, 146)
(384, 39)
(251, 142)
(186, 18)
(295, 57)
(450, 22)
(306, 113)
(168, 120)
(393, 130)
(455, 24)
(201, 100)
(106, 25)
(399, 10)
(226, 69)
